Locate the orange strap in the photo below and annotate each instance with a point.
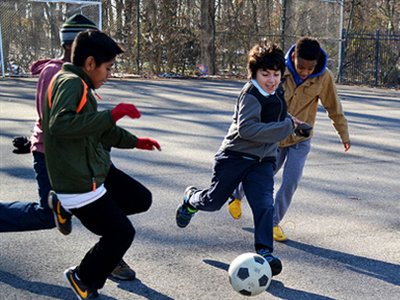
(81, 103)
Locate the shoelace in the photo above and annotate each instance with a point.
(266, 254)
(186, 212)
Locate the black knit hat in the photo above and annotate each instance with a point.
(74, 25)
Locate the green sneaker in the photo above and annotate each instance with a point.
(185, 212)
(274, 262)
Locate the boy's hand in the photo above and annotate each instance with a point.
(124, 109)
(347, 146)
(303, 129)
(296, 122)
(22, 143)
(146, 143)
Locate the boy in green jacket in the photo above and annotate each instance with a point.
(307, 81)
(79, 167)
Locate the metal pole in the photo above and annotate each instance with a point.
(283, 23)
(100, 16)
(377, 57)
(341, 4)
(1, 54)
(138, 37)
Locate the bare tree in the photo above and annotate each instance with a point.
(152, 51)
(207, 35)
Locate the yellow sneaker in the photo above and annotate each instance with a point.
(279, 235)
(235, 208)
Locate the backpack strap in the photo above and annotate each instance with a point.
(82, 101)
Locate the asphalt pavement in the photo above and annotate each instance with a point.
(343, 225)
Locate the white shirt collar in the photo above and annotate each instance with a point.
(262, 92)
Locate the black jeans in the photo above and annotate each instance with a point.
(107, 217)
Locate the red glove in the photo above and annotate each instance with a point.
(124, 109)
(146, 143)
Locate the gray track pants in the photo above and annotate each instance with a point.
(292, 159)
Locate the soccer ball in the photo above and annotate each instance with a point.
(250, 274)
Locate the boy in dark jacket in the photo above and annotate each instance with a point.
(248, 151)
(79, 167)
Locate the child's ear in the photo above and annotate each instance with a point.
(90, 64)
(292, 56)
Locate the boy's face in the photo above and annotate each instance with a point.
(98, 74)
(268, 80)
(304, 67)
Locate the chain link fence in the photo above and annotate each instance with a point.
(371, 59)
(163, 37)
(30, 30)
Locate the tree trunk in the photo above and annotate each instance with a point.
(207, 35)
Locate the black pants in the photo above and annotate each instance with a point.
(107, 217)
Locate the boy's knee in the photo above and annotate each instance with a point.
(148, 200)
(145, 202)
(131, 234)
(127, 234)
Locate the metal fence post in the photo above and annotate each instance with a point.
(341, 35)
(1, 55)
(342, 54)
(138, 35)
(377, 46)
(283, 24)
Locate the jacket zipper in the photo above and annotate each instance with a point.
(280, 102)
(94, 185)
(279, 115)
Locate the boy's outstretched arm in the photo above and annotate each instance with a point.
(146, 143)
(125, 109)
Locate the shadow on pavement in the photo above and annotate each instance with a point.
(217, 264)
(139, 288)
(276, 288)
(40, 288)
(385, 271)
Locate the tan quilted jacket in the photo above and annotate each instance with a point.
(302, 103)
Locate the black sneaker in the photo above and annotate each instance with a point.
(123, 272)
(82, 291)
(62, 218)
(185, 212)
(274, 262)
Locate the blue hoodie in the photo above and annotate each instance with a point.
(319, 69)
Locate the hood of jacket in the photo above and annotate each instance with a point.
(38, 65)
(319, 69)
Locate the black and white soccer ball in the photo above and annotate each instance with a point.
(250, 274)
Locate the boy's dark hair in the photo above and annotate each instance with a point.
(307, 48)
(265, 56)
(94, 43)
